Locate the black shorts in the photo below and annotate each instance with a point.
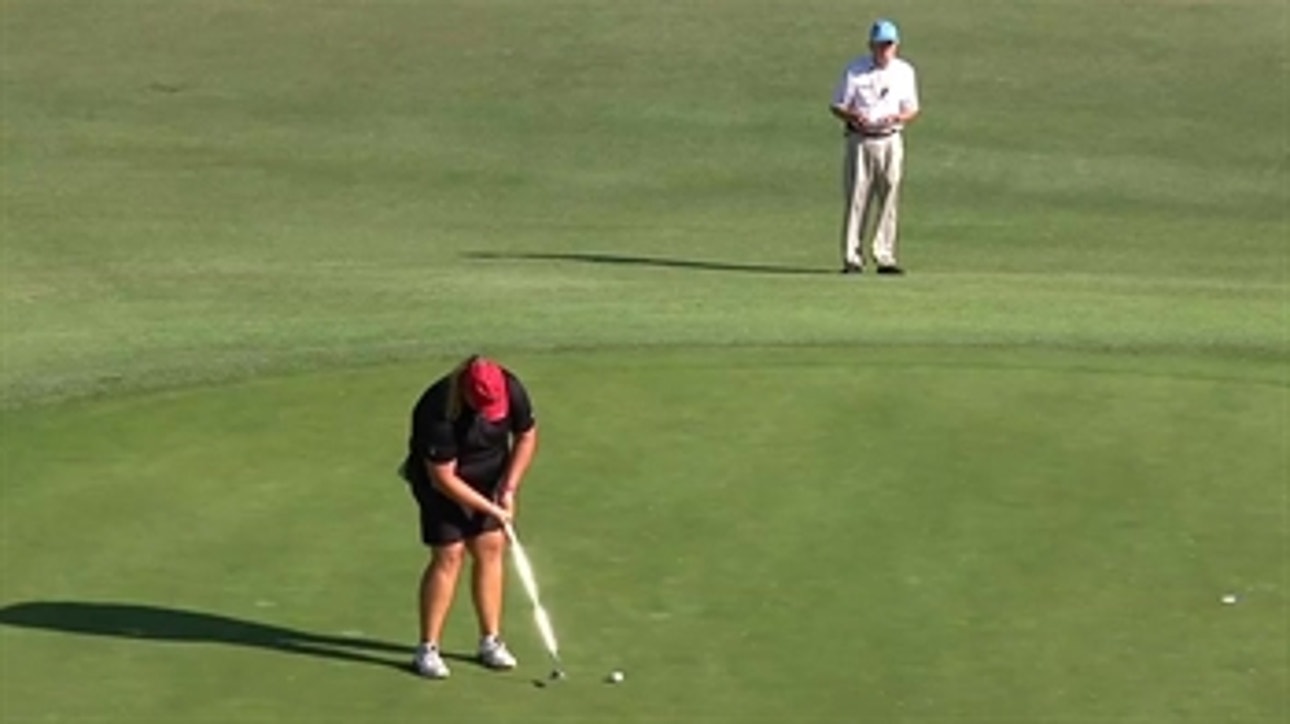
(444, 521)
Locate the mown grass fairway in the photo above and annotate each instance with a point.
(238, 238)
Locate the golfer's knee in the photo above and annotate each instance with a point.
(447, 558)
(489, 546)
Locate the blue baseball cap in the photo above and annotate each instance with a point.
(884, 31)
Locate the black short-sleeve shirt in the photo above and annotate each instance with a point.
(444, 428)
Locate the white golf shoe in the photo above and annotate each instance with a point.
(494, 654)
(429, 663)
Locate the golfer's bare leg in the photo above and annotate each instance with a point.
(438, 584)
(892, 161)
(487, 579)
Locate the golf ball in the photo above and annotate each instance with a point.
(615, 677)
(1229, 599)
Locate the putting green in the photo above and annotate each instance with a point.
(749, 534)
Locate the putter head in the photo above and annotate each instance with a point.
(551, 678)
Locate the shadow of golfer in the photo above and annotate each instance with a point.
(152, 623)
(633, 260)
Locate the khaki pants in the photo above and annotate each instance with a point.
(871, 177)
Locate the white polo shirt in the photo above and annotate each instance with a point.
(875, 92)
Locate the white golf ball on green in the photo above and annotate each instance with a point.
(615, 677)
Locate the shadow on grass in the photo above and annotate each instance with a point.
(633, 260)
(153, 623)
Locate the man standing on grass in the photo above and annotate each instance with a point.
(876, 97)
(473, 438)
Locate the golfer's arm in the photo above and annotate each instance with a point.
(444, 477)
(521, 458)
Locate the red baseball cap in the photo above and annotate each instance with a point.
(484, 385)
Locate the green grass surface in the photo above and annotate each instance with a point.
(195, 190)
(808, 535)
(238, 238)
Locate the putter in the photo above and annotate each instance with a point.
(525, 570)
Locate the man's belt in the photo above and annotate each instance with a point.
(872, 136)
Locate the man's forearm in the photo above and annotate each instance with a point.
(842, 114)
(905, 116)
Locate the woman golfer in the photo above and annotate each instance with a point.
(473, 438)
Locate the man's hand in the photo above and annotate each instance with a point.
(872, 125)
(853, 120)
